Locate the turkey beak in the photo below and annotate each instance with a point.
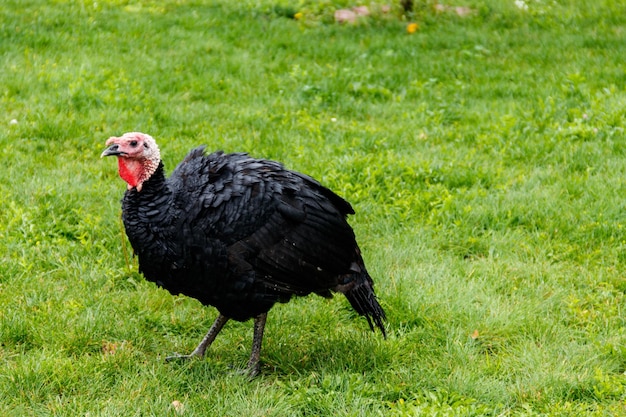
(113, 150)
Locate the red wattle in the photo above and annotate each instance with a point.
(130, 170)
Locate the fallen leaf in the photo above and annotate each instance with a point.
(109, 348)
(345, 16)
(460, 11)
(361, 10)
(463, 11)
(178, 407)
(475, 335)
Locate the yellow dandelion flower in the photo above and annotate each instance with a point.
(298, 16)
(412, 27)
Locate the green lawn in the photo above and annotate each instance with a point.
(485, 156)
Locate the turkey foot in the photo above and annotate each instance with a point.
(200, 350)
(257, 339)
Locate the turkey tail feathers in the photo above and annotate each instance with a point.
(364, 301)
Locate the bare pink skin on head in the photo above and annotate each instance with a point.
(138, 157)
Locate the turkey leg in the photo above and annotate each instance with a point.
(257, 339)
(199, 351)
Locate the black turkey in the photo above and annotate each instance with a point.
(239, 234)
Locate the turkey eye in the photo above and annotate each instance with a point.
(133, 143)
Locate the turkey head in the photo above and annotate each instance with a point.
(137, 157)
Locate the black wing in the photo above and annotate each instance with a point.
(282, 225)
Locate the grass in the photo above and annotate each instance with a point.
(484, 155)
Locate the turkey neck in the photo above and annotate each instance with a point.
(147, 211)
